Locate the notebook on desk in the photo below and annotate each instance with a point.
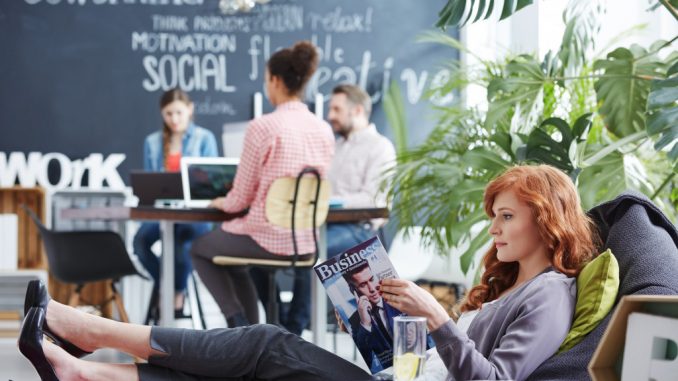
(206, 178)
(152, 186)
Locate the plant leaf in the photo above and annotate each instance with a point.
(542, 148)
(477, 242)
(602, 181)
(518, 90)
(662, 113)
(481, 10)
(394, 110)
(512, 6)
(613, 147)
(581, 126)
(624, 88)
(503, 140)
(582, 24)
(453, 12)
(483, 158)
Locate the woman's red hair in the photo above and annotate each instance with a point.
(569, 234)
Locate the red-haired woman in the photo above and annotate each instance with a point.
(521, 311)
(512, 322)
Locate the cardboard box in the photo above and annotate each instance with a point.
(606, 363)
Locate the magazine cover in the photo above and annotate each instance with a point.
(351, 280)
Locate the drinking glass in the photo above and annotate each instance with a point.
(409, 347)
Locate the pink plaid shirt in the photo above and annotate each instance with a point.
(279, 144)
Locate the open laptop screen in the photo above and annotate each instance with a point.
(204, 179)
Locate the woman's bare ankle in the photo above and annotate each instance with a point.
(65, 366)
(73, 325)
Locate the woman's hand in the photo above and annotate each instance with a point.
(217, 203)
(414, 301)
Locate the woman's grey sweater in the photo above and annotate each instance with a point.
(510, 338)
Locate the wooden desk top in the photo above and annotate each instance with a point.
(202, 214)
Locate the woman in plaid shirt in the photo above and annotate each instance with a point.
(279, 144)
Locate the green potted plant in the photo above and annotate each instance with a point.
(610, 121)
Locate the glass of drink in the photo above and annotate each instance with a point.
(409, 347)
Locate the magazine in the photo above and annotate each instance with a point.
(351, 280)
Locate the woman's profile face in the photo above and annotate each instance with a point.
(177, 115)
(514, 229)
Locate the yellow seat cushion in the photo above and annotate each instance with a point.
(597, 287)
(279, 202)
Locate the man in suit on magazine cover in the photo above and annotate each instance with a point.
(372, 323)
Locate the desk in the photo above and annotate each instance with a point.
(169, 216)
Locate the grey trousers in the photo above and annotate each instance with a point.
(257, 352)
(231, 286)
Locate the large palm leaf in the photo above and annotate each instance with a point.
(459, 12)
(582, 24)
(394, 109)
(439, 184)
(516, 91)
(624, 87)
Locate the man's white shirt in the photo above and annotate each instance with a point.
(357, 167)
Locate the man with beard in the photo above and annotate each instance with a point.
(361, 156)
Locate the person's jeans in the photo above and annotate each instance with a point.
(340, 237)
(184, 234)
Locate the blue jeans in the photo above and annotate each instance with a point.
(184, 234)
(339, 238)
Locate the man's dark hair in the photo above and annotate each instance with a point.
(358, 267)
(356, 96)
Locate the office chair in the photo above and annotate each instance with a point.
(81, 257)
(291, 203)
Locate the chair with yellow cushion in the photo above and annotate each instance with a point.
(296, 204)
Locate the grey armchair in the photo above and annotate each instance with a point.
(645, 244)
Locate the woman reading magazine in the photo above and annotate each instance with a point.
(521, 311)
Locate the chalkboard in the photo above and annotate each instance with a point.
(84, 76)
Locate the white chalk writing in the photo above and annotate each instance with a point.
(337, 21)
(173, 43)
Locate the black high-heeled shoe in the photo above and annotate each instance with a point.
(37, 296)
(30, 343)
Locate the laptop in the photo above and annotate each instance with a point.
(152, 186)
(206, 178)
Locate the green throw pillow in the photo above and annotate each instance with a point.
(597, 286)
